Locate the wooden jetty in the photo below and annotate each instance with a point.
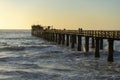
(71, 37)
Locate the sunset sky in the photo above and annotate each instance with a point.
(69, 14)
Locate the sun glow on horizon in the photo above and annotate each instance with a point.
(69, 14)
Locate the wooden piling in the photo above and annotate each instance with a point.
(73, 41)
(93, 43)
(110, 50)
(50, 36)
(97, 47)
(63, 39)
(69, 36)
(67, 39)
(101, 43)
(46, 35)
(79, 42)
(59, 38)
(56, 37)
(87, 44)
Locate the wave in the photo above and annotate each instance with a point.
(12, 48)
(23, 47)
(28, 75)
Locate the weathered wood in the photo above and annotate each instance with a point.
(73, 41)
(110, 50)
(91, 33)
(56, 37)
(67, 40)
(101, 43)
(87, 44)
(79, 42)
(50, 36)
(59, 38)
(69, 36)
(97, 47)
(63, 39)
(93, 43)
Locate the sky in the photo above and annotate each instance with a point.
(69, 14)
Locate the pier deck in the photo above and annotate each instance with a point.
(70, 37)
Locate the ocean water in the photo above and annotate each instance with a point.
(24, 57)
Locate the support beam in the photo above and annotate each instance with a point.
(47, 34)
(59, 38)
(50, 36)
(73, 41)
(79, 42)
(56, 37)
(63, 39)
(101, 44)
(87, 44)
(110, 50)
(67, 39)
(53, 37)
(97, 48)
(93, 42)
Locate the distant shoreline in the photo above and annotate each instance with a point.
(15, 29)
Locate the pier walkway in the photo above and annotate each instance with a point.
(71, 37)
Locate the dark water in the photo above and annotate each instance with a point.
(24, 57)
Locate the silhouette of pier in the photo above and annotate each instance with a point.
(71, 37)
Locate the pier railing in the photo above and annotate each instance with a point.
(70, 37)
